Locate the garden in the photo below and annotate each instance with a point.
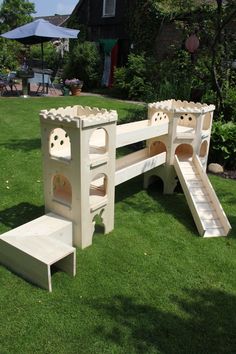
(150, 286)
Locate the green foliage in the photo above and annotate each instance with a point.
(137, 78)
(51, 57)
(10, 54)
(213, 22)
(150, 286)
(223, 144)
(175, 75)
(230, 103)
(15, 13)
(84, 63)
(146, 19)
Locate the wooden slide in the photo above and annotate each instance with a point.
(206, 209)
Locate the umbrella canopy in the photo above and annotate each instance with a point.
(39, 31)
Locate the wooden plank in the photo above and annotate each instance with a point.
(187, 192)
(130, 133)
(212, 223)
(194, 184)
(207, 215)
(43, 248)
(212, 195)
(25, 265)
(197, 191)
(137, 168)
(132, 158)
(191, 176)
(204, 206)
(215, 232)
(201, 198)
(52, 225)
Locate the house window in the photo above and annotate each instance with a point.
(109, 8)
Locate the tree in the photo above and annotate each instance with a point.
(214, 23)
(13, 13)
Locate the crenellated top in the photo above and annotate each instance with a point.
(79, 116)
(181, 106)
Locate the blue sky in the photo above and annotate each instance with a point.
(52, 7)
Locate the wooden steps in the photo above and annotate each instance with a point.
(206, 209)
(31, 249)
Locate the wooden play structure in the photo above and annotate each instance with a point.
(81, 171)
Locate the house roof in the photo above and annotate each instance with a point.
(57, 20)
(80, 2)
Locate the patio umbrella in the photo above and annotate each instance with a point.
(40, 31)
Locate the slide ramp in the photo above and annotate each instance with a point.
(206, 209)
(32, 248)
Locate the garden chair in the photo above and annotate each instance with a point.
(8, 80)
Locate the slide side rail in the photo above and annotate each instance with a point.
(192, 205)
(213, 197)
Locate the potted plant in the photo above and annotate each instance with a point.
(75, 86)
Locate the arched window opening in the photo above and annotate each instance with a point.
(59, 144)
(203, 149)
(98, 223)
(184, 151)
(98, 189)
(98, 143)
(155, 184)
(207, 121)
(62, 191)
(157, 147)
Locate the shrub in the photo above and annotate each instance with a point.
(51, 57)
(230, 104)
(137, 79)
(84, 62)
(223, 144)
(9, 54)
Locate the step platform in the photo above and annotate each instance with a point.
(30, 250)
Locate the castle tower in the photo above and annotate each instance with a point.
(78, 149)
(188, 135)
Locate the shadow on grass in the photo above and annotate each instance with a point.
(174, 204)
(20, 214)
(22, 144)
(232, 220)
(129, 188)
(205, 324)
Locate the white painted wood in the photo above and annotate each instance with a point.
(215, 232)
(80, 174)
(213, 197)
(43, 248)
(92, 136)
(32, 257)
(136, 164)
(187, 192)
(138, 131)
(203, 202)
(207, 215)
(211, 224)
(204, 206)
(52, 225)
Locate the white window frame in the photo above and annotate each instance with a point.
(104, 14)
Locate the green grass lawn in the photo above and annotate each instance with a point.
(150, 286)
